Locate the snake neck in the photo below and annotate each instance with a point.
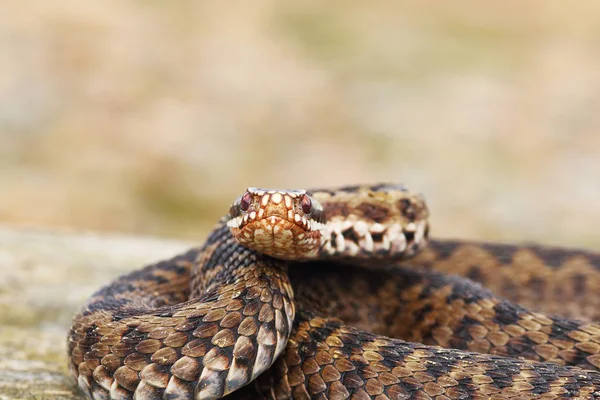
(225, 262)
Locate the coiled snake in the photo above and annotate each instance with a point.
(298, 294)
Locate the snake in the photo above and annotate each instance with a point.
(340, 293)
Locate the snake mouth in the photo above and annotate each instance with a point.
(278, 237)
(273, 225)
(255, 220)
(280, 223)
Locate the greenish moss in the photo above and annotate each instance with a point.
(465, 45)
(321, 32)
(26, 316)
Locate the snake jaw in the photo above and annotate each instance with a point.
(280, 223)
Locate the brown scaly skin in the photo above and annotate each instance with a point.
(449, 311)
(137, 335)
(140, 336)
(552, 279)
(376, 313)
(325, 359)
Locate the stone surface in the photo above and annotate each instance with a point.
(44, 277)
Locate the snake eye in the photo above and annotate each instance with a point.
(246, 201)
(306, 204)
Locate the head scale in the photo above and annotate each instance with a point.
(280, 223)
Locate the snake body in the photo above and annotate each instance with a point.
(238, 317)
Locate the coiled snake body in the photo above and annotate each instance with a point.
(246, 316)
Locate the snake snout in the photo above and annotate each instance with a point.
(281, 223)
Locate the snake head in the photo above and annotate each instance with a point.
(281, 223)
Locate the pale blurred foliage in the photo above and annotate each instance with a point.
(151, 117)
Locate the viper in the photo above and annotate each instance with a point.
(339, 293)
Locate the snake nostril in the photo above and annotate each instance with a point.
(306, 204)
(246, 201)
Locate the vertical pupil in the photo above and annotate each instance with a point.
(246, 200)
(305, 203)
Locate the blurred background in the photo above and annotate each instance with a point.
(150, 117)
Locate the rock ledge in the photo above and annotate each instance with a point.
(44, 277)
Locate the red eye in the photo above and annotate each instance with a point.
(306, 204)
(246, 201)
